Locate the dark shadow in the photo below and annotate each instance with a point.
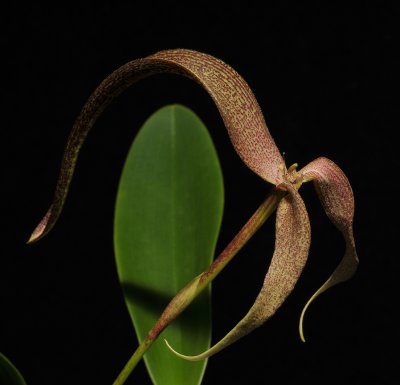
(147, 298)
(155, 302)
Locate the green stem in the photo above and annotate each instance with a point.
(186, 295)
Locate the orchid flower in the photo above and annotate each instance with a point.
(252, 141)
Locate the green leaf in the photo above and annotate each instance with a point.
(168, 214)
(9, 374)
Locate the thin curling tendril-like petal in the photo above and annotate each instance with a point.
(234, 99)
(337, 198)
(292, 245)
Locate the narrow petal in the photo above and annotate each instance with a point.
(236, 103)
(292, 244)
(337, 198)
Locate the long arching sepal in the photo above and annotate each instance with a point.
(236, 103)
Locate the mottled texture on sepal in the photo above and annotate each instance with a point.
(238, 106)
(236, 103)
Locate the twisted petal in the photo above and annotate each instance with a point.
(235, 101)
(291, 251)
(337, 198)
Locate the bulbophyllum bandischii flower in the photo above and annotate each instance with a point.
(252, 141)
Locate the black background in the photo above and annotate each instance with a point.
(324, 77)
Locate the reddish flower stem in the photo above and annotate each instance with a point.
(186, 295)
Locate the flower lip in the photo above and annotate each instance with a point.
(290, 177)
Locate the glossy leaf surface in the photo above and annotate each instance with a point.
(9, 375)
(168, 214)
